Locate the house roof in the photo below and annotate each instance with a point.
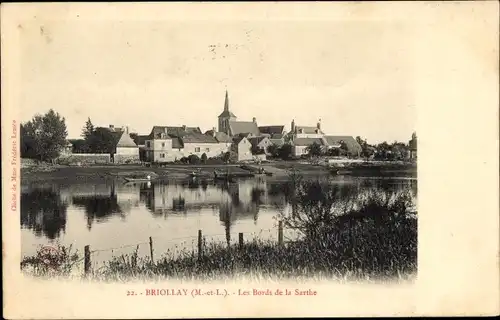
(272, 129)
(255, 141)
(238, 127)
(221, 137)
(308, 141)
(306, 130)
(237, 139)
(140, 139)
(123, 139)
(194, 137)
(172, 131)
(177, 143)
(352, 144)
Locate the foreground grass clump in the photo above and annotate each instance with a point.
(363, 252)
(369, 236)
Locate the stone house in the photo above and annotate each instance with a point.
(124, 148)
(241, 149)
(166, 144)
(353, 147)
(262, 142)
(300, 146)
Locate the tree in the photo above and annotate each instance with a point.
(101, 141)
(193, 159)
(45, 136)
(257, 150)
(285, 151)
(204, 158)
(27, 142)
(226, 156)
(344, 150)
(314, 150)
(273, 150)
(87, 130)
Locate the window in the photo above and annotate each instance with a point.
(147, 144)
(163, 144)
(162, 155)
(207, 149)
(197, 149)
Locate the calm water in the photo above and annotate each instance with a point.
(114, 214)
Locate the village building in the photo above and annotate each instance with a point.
(229, 125)
(167, 144)
(241, 149)
(123, 148)
(353, 147)
(300, 146)
(261, 142)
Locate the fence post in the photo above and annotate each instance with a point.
(87, 259)
(241, 240)
(200, 244)
(151, 249)
(280, 232)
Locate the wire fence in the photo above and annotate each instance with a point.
(198, 243)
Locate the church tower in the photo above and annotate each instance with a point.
(225, 117)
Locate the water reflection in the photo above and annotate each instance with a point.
(44, 212)
(44, 208)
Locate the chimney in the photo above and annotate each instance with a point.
(126, 129)
(254, 120)
(292, 126)
(318, 125)
(112, 127)
(184, 127)
(214, 131)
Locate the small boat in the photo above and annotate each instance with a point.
(137, 179)
(343, 172)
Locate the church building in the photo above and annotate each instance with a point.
(230, 126)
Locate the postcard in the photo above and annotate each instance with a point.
(285, 159)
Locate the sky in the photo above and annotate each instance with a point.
(357, 76)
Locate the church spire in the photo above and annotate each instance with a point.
(226, 102)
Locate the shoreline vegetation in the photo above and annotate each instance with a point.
(368, 237)
(32, 171)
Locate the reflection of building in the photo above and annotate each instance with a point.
(105, 200)
(161, 198)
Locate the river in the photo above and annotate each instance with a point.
(114, 217)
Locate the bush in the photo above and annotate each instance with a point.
(215, 160)
(204, 158)
(194, 159)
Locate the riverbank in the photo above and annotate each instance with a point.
(356, 246)
(278, 169)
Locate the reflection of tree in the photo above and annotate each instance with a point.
(98, 207)
(225, 216)
(43, 212)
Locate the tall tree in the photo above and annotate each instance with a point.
(285, 151)
(314, 149)
(46, 135)
(102, 141)
(87, 130)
